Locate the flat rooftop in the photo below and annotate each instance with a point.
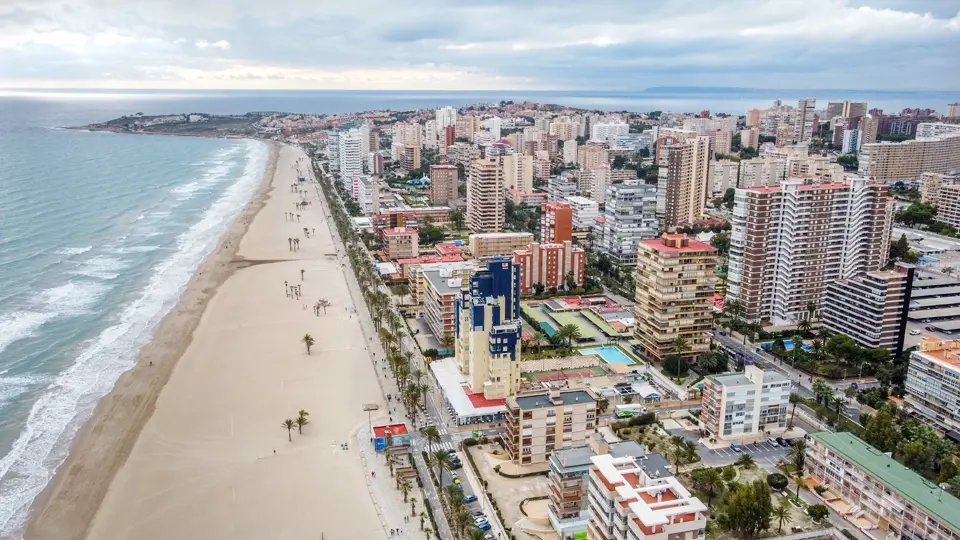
(454, 385)
(946, 291)
(944, 313)
(928, 495)
(440, 283)
(540, 401)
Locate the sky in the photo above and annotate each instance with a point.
(619, 45)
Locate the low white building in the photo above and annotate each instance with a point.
(748, 405)
(585, 212)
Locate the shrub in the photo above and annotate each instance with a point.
(817, 512)
(777, 481)
(820, 490)
(470, 442)
(430, 352)
(644, 419)
(729, 473)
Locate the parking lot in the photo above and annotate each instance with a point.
(766, 456)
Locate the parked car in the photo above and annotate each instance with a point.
(914, 332)
(479, 514)
(735, 447)
(483, 526)
(469, 498)
(773, 442)
(780, 441)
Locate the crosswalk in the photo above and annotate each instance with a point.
(445, 446)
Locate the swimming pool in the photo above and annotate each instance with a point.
(610, 354)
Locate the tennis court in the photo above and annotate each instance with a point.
(546, 376)
(587, 330)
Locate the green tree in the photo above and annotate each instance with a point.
(797, 456)
(709, 481)
(302, 420)
(746, 461)
(430, 235)
(456, 219)
(749, 509)
(569, 332)
(307, 340)
(823, 391)
(782, 512)
(900, 250)
(441, 460)
(728, 196)
(675, 365)
(721, 241)
(431, 434)
(288, 425)
(777, 481)
(817, 512)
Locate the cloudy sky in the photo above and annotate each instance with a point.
(484, 44)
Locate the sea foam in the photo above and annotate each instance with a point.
(59, 412)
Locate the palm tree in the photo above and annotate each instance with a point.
(797, 347)
(405, 488)
(413, 506)
(431, 434)
(567, 332)
(781, 513)
(477, 534)
(323, 304)
(403, 289)
(301, 421)
(391, 461)
(411, 397)
(794, 399)
(288, 424)
(798, 458)
(680, 345)
(441, 460)
(463, 518)
(427, 532)
(803, 326)
(446, 342)
(711, 481)
(307, 340)
(746, 461)
(812, 308)
(679, 452)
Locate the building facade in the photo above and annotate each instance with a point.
(550, 265)
(441, 288)
(765, 171)
(933, 384)
(444, 181)
(400, 242)
(674, 295)
(488, 330)
(688, 179)
(485, 202)
(788, 242)
(906, 161)
(886, 499)
(517, 172)
(628, 501)
(537, 424)
(556, 223)
(350, 153)
(871, 307)
(585, 212)
(486, 245)
(948, 210)
(629, 216)
(745, 406)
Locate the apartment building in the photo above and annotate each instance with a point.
(953, 110)
(816, 168)
(933, 384)
(570, 148)
(603, 131)
(933, 130)
(745, 406)
(350, 154)
(549, 265)
(789, 241)
(629, 501)
(629, 216)
(674, 295)
(785, 134)
(446, 116)
(487, 245)
(723, 176)
(400, 242)
(441, 288)
(467, 126)
(366, 193)
(556, 222)
(750, 138)
(585, 212)
(880, 496)
(444, 181)
(948, 210)
(413, 270)
(517, 172)
(688, 178)
(595, 181)
(568, 506)
(871, 307)
(485, 203)
(410, 157)
(488, 330)
(905, 161)
(591, 155)
(560, 188)
(868, 126)
(805, 123)
(765, 171)
(537, 424)
(929, 185)
(408, 133)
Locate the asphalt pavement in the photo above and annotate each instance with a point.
(766, 455)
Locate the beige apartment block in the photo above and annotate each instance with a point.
(517, 172)
(871, 307)
(444, 180)
(688, 179)
(485, 202)
(750, 137)
(949, 210)
(590, 156)
(487, 245)
(930, 184)
(400, 242)
(674, 295)
(537, 424)
(906, 161)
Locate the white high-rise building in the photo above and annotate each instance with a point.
(570, 152)
(351, 155)
(446, 116)
(430, 135)
(604, 131)
(585, 212)
(932, 130)
(517, 172)
(804, 121)
(405, 133)
(748, 404)
(492, 125)
(629, 216)
(851, 141)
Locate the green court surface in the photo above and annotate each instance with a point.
(587, 331)
(555, 375)
(603, 325)
(546, 325)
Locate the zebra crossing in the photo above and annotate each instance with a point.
(444, 446)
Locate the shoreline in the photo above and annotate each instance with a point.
(68, 504)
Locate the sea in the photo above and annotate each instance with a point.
(100, 232)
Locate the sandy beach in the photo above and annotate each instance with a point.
(212, 459)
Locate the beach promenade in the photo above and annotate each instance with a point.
(213, 461)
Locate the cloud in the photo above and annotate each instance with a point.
(437, 44)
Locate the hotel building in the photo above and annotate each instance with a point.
(629, 501)
(788, 242)
(905, 161)
(688, 179)
(410, 157)
(486, 245)
(485, 203)
(441, 288)
(930, 184)
(933, 384)
(748, 405)
(536, 424)
(881, 497)
(871, 307)
(723, 176)
(674, 295)
(556, 223)
(488, 330)
(443, 183)
(401, 242)
(750, 137)
(760, 172)
(549, 264)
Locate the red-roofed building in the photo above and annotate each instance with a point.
(674, 295)
(400, 242)
(549, 264)
(425, 259)
(448, 248)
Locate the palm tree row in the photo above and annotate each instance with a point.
(299, 422)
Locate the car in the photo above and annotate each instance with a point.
(459, 486)
(735, 447)
(914, 332)
(456, 481)
(773, 442)
(489, 537)
(469, 498)
(479, 514)
(929, 329)
(452, 452)
(780, 441)
(783, 442)
(456, 465)
(454, 475)
(485, 526)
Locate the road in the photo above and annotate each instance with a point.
(435, 412)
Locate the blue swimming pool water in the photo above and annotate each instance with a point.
(610, 355)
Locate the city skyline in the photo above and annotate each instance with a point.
(293, 44)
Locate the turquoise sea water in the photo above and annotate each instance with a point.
(100, 232)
